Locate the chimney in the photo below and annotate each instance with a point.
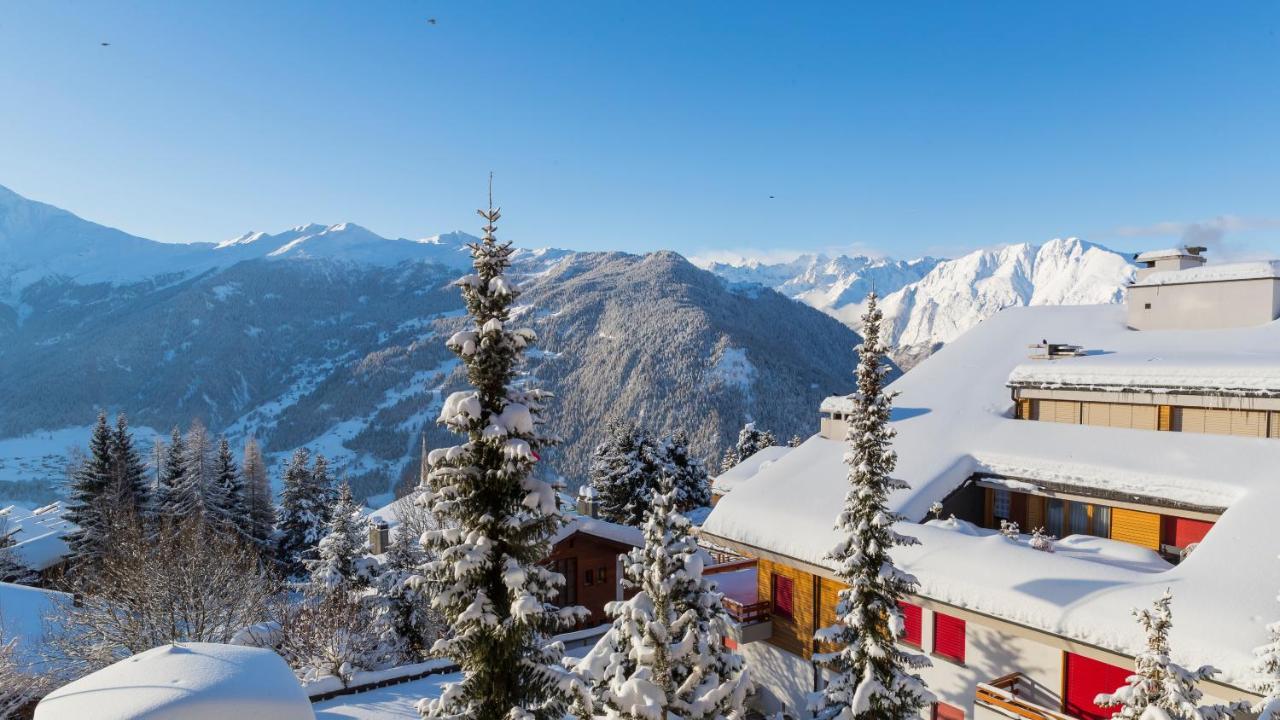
(379, 537)
(1173, 259)
(587, 506)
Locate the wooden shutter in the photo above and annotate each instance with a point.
(948, 637)
(1024, 409)
(1164, 418)
(1121, 415)
(1248, 423)
(783, 596)
(1035, 512)
(1136, 527)
(1096, 413)
(1085, 678)
(1066, 411)
(1217, 422)
(1185, 531)
(912, 617)
(1144, 417)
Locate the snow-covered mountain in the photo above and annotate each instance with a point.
(332, 337)
(929, 302)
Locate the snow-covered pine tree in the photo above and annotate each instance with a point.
(325, 492)
(261, 508)
(729, 460)
(621, 471)
(298, 525)
(227, 493)
(870, 675)
(752, 440)
(665, 655)
(689, 475)
(200, 467)
(179, 498)
(1160, 689)
(130, 493)
(336, 568)
(88, 497)
(403, 597)
(497, 519)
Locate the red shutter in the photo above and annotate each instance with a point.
(1187, 531)
(911, 622)
(948, 637)
(1086, 678)
(782, 595)
(943, 711)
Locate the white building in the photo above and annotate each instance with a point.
(1152, 454)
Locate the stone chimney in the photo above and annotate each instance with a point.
(379, 537)
(587, 505)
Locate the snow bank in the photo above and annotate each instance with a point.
(197, 681)
(1224, 372)
(1213, 273)
(961, 423)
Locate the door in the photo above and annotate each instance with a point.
(1085, 678)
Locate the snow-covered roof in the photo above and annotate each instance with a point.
(1214, 273)
(195, 681)
(39, 535)
(23, 611)
(618, 533)
(1151, 255)
(954, 420)
(1217, 372)
(725, 481)
(837, 404)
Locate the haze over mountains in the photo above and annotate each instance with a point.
(332, 337)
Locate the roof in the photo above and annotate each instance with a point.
(725, 481)
(1262, 269)
(1150, 255)
(195, 681)
(837, 404)
(953, 420)
(39, 535)
(624, 534)
(23, 611)
(1219, 373)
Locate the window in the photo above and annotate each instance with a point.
(589, 579)
(783, 596)
(1079, 519)
(1102, 521)
(1053, 517)
(943, 711)
(948, 637)
(1001, 505)
(1085, 678)
(911, 622)
(601, 575)
(1146, 306)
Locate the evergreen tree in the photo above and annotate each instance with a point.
(1268, 668)
(730, 460)
(299, 527)
(689, 475)
(870, 676)
(227, 493)
(499, 519)
(665, 655)
(87, 497)
(752, 440)
(337, 568)
(258, 500)
(325, 494)
(200, 468)
(178, 498)
(404, 599)
(130, 494)
(795, 441)
(621, 471)
(1159, 688)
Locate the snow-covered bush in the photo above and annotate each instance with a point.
(19, 683)
(936, 510)
(1159, 688)
(665, 655)
(1009, 529)
(1040, 540)
(871, 676)
(334, 634)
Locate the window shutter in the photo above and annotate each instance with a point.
(943, 711)
(911, 620)
(1085, 679)
(783, 593)
(948, 637)
(1187, 531)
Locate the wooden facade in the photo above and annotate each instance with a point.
(590, 566)
(1213, 421)
(792, 631)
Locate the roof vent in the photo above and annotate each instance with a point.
(1055, 351)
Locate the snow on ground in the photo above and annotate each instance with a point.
(954, 419)
(22, 615)
(41, 456)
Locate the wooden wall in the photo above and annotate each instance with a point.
(793, 634)
(592, 553)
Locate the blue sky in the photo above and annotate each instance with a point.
(901, 128)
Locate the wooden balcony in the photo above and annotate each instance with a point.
(999, 699)
(752, 617)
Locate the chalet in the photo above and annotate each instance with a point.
(1147, 453)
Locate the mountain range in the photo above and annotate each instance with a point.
(332, 337)
(929, 302)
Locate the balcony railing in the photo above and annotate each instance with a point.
(1001, 695)
(747, 613)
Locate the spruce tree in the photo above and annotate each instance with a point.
(324, 493)
(130, 493)
(1159, 687)
(200, 468)
(228, 503)
(795, 441)
(499, 518)
(621, 471)
(752, 440)
(665, 655)
(178, 499)
(404, 598)
(258, 499)
(87, 498)
(298, 525)
(336, 568)
(689, 475)
(870, 676)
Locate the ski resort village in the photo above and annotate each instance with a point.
(690, 361)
